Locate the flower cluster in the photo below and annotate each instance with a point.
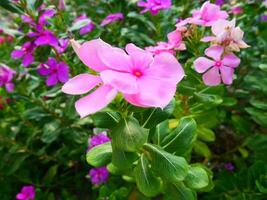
(6, 76)
(40, 36)
(131, 74)
(98, 175)
(154, 6)
(27, 193)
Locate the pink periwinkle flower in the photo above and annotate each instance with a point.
(26, 193)
(56, 71)
(112, 18)
(144, 80)
(220, 68)
(43, 37)
(174, 43)
(236, 10)
(87, 27)
(6, 76)
(25, 52)
(98, 175)
(62, 45)
(98, 139)
(207, 15)
(154, 6)
(227, 35)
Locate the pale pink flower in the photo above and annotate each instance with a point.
(143, 80)
(174, 43)
(207, 15)
(227, 35)
(220, 68)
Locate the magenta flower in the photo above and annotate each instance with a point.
(87, 27)
(221, 67)
(25, 52)
(219, 2)
(46, 14)
(6, 76)
(112, 18)
(26, 193)
(144, 80)
(98, 175)
(98, 139)
(263, 18)
(154, 6)
(207, 15)
(236, 10)
(56, 71)
(62, 45)
(43, 37)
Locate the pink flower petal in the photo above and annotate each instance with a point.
(81, 84)
(21, 196)
(212, 77)
(153, 93)
(116, 59)
(208, 39)
(124, 82)
(17, 54)
(231, 60)
(165, 66)
(95, 101)
(202, 64)
(141, 59)
(214, 52)
(227, 74)
(88, 53)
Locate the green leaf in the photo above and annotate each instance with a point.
(128, 135)
(258, 116)
(202, 149)
(99, 155)
(146, 182)
(50, 132)
(153, 117)
(50, 174)
(122, 159)
(197, 178)
(166, 165)
(10, 6)
(182, 138)
(106, 119)
(205, 134)
(179, 191)
(78, 25)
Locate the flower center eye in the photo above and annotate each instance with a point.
(137, 73)
(218, 63)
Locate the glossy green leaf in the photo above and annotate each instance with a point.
(146, 181)
(182, 138)
(197, 178)
(99, 155)
(122, 159)
(50, 132)
(202, 149)
(205, 134)
(168, 166)
(179, 191)
(128, 135)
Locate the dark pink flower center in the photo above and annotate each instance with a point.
(137, 73)
(218, 63)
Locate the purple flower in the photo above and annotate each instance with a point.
(112, 18)
(43, 37)
(26, 193)
(98, 139)
(154, 6)
(56, 71)
(219, 2)
(99, 175)
(6, 76)
(62, 45)
(25, 52)
(46, 14)
(87, 27)
(263, 18)
(229, 166)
